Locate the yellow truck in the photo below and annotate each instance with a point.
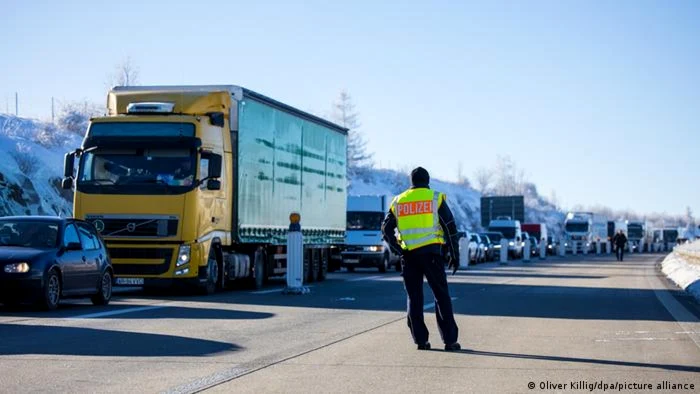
(195, 185)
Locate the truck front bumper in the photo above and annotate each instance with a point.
(362, 259)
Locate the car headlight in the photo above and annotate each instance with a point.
(183, 255)
(486, 248)
(511, 243)
(17, 268)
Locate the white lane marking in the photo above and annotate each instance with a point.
(364, 278)
(683, 317)
(118, 312)
(278, 290)
(432, 304)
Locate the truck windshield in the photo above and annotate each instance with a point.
(634, 232)
(508, 232)
(371, 221)
(141, 129)
(577, 227)
(137, 170)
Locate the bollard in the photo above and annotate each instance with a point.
(574, 247)
(295, 257)
(585, 247)
(543, 250)
(629, 248)
(504, 251)
(463, 253)
(597, 248)
(562, 249)
(527, 251)
(608, 247)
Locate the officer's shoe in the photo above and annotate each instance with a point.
(453, 347)
(424, 346)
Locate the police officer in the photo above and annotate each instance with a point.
(424, 224)
(620, 241)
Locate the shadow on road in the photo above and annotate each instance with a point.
(20, 339)
(133, 312)
(668, 367)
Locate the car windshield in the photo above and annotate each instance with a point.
(172, 167)
(28, 234)
(508, 232)
(495, 237)
(371, 221)
(577, 227)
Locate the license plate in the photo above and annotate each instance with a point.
(351, 261)
(129, 281)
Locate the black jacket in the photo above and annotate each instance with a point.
(619, 240)
(447, 222)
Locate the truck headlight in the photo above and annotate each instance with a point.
(183, 255)
(511, 243)
(17, 268)
(374, 248)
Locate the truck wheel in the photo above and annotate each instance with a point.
(384, 265)
(209, 287)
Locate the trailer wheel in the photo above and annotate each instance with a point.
(323, 266)
(259, 270)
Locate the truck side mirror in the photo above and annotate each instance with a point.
(68, 164)
(214, 167)
(67, 183)
(213, 184)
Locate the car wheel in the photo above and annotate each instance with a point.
(52, 291)
(104, 291)
(385, 263)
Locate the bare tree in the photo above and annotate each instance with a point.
(484, 177)
(461, 178)
(26, 161)
(74, 116)
(125, 74)
(345, 115)
(509, 179)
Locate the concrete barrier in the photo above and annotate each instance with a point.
(543, 250)
(504, 251)
(295, 258)
(527, 251)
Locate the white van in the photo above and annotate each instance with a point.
(512, 232)
(364, 243)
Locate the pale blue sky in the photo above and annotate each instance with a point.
(597, 100)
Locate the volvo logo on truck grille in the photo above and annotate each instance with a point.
(99, 225)
(131, 227)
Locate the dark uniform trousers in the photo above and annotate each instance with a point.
(417, 264)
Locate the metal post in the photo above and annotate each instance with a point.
(562, 248)
(585, 247)
(504, 251)
(574, 248)
(295, 257)
(608, 247)
(597, 247)
(463, 253)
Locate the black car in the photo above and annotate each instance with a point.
(44, 259)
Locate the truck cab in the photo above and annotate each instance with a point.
(364, 243)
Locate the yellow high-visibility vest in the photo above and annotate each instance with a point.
(417, 220)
